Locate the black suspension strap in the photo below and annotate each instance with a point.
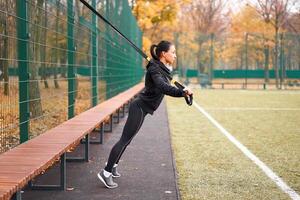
(188, 98)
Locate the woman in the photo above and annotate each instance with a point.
(156, 86)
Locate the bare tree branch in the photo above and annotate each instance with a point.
(207, 15)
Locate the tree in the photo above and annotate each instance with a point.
(35, 104)
(4, 25)
(82, 39)
(259, 39)
(293, 26)
(207, 18)
(43, 50)
(56, 43)
(293, 23)
(156, 19)
(275, 12)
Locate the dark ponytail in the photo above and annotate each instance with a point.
(153, 54)
(156, 50)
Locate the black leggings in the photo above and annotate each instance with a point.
(133, 124)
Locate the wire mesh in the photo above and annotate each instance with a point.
(73, 62)
(9, 107)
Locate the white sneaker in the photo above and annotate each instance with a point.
(107, 181)
(115, 173)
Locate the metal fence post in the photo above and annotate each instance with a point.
(108, 56)
(211, 65)
(23, 44)
(71, 53)
(266, 52)
(94, 58)
(281, 61)
(246, 59)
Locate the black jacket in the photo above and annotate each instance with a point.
(156, 86)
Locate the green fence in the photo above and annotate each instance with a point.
(57, 59)
(255, 74)
(239, 53)
(240, 73)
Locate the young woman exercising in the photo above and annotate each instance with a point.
(156, 86)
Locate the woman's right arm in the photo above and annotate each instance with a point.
(163, 85)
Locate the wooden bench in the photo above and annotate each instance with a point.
(20, 165)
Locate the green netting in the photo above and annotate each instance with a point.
(57, 59)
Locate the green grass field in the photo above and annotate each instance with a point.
(209, 166)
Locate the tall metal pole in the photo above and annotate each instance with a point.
(23, 45)
(178, 64)
(108, 56)
(266, 63)
(246, 59)
(211, 64)
(281, 61)
(71, 54)
(94, 58)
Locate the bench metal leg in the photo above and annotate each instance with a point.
(17, 196)
(86, 152)
(63, 172)
(110, 124)
(101, 131)
(117, 117)
(62, 185)
(123, 111)
(127, 107)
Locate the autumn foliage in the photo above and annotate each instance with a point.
(189, 24)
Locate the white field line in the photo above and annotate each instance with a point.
(253, 108)
(279, 182)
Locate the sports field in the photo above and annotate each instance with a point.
(211, 166)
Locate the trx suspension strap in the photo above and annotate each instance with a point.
(188, 98)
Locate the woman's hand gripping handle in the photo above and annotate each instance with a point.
(188, 93)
